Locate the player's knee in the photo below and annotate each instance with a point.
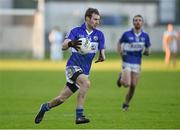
(126, 84)
(86, 83)
(84, 86)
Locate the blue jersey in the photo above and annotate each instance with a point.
(96, 37)
(133, 45)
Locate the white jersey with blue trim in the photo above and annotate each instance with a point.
(173, 42)
(84, 61)
(133, 45)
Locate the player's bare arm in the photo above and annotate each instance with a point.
(119, 48)
(65, 44)
(146, 52)
(101, 57)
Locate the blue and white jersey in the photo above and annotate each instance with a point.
(133, 45)
(96, 37)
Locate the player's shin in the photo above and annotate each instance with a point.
(55, 102)
(80, 118)
(130, 94)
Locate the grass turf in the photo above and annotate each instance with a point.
(155, 104)
(25, 84)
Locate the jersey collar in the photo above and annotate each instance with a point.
(84, 27)
(137, 35)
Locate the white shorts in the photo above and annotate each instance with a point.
(131, 67)
(173, 47)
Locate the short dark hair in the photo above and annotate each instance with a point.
(138, 15)
(91, 11)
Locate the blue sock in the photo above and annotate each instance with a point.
(45, 107)
(79, 112)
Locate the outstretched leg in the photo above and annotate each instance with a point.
(65, 94)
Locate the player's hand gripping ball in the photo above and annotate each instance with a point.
(85, 46)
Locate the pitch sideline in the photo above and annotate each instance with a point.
(109, 65)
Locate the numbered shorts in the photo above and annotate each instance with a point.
(72, 72)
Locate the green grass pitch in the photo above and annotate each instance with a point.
(156, 103)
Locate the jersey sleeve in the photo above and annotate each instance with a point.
(101, 41)
(71, 35)
(147, 42)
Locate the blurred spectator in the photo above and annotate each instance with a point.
(55, 39)
(170, 40)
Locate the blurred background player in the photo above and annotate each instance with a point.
(56, 39)
(170, 40)
(130, 47)
(78, 65)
